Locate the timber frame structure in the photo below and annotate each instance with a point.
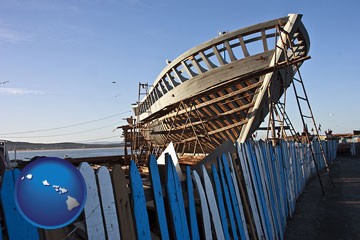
(221, 90)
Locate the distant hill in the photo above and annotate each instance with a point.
(64, 145)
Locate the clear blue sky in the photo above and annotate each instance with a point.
(61, 57)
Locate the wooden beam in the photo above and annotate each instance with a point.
(219, 99)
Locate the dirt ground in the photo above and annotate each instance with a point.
(335, 215)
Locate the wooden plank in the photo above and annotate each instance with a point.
(258, 167)
(242, 69)
(176, 201)
(17, 227)
(93, 216)
(123, 206)
(246, 205)
(280, 183)
(108, 203)
(271, 178)
(207, 61)
(230, 51)
(264, 40)
(228, 204)
(257, 184)
(204, 207)
(194, 231)
(139, 203)
(236, 186)
(249, 187)
(233, 198)
(220, 59)
(213, 206)
(158, 197)
(243, 47)
(221, 205)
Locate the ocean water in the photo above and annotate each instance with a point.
(70, 153)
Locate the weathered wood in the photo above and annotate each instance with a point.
(272, 189)
(220, 202)
(256, 183)
(204, 207)
(123, 206)
(239, 176)
(158, 197)
(176, 201)
(17, 227)
(236, 187)
(213, 205)
(194, 231)
(250, 190)
(108, 203)
(263, 190)
(204, 82)
(139, 203)
(290, 27)
(234, 200)
(93, 216)
(228, 202)
(243, 47)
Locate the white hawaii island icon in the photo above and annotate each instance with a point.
(70, 202)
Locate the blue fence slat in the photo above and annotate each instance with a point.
(194, 231)
(176, 201)
(228, 203)
(244, 157)
(213, 205)
(158, 197)
(204, 207)
(257, 161)
(17, 227)
(271, 187)
(220, 201)
(139, 203)
(237, 193)
(233, 197)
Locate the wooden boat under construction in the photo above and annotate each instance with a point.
(221, 89)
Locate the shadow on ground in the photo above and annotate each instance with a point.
(335, 215)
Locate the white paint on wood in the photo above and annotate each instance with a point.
(92, 209)
(171, 151)
(108, 203)
(237, 192)
(213, 205)
(250, 191)
(204, 207)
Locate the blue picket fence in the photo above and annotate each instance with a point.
(246, 194)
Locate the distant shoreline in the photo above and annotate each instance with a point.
(26, 146)
(60, 149)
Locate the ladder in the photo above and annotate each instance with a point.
(303, 98)
(280, 107)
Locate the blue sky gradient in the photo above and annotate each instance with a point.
(61, 57)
